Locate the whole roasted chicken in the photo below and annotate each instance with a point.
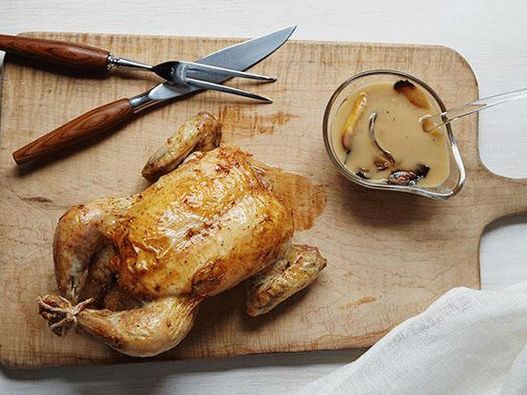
(132, 271)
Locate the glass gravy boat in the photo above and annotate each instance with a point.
(456, 178)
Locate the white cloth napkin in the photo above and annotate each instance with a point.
(466, 342)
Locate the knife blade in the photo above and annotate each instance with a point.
(238, 57)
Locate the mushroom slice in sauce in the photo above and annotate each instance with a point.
(402, 177)
(357, 110)
(362, 175)
(408, 177)
(417, 98)
(412, 93)
(382, 163)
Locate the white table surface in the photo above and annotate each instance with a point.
(490, 34)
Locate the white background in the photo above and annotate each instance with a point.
(492, 35)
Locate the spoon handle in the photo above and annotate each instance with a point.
(448, 116)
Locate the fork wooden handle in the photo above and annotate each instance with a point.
(74, 55)
(92, 123)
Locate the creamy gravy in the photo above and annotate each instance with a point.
(417, 157)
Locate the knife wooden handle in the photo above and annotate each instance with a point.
(73, 55)
(92, 123)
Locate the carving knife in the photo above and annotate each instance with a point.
(236, 57)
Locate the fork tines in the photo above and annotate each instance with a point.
(214, 70)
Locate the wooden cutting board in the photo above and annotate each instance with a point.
(389, 255)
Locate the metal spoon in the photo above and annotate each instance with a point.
(432, 122)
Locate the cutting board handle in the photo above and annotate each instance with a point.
(61, 52)
(92, 123)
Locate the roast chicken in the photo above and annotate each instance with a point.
(132, 271)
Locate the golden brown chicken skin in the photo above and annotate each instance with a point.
(148, 260)
(201, 229)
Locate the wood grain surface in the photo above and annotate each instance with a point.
(389, 255)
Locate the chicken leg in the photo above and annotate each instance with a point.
(145, 331)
